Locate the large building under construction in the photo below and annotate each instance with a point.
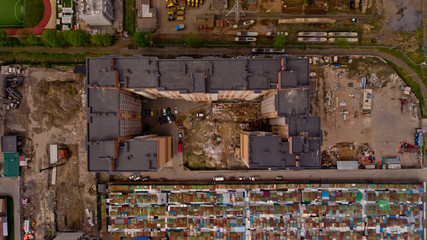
(116, 86)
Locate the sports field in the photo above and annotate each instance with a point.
(11, 13)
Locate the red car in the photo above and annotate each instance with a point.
(179, 146)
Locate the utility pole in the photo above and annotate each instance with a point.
(237, 10)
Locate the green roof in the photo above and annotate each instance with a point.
(11, 164)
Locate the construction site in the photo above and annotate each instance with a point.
(212, 141)
(365, 99)
(58, 195)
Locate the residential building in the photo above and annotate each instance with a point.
(96, 12)
(283, 83)
(263, 211)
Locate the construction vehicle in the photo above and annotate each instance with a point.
(171, 18)
(63, 152)
(180, 27)
(188, 3)
(192, 3)
(171, 13)
(197, 3)
(180, 8)
(180, 13)
(169, 5)
(180, 18)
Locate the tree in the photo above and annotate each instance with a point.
(192, 40)
(142, 39)
(77, 37)
(103, 40)
(50, 39)
(4, 38)
(280, 41)
(28, 38)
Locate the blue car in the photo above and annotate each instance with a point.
(147, 112)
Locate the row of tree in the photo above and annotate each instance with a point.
(53, 38)
(77, 38)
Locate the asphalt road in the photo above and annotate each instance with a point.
(10, 187)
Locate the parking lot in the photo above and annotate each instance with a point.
(151, 124)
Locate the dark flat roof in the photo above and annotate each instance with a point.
(307, 150)
(178, 74)
(100, 155)
(137, 155)
(102, 100)
(301, 67)
(293, 102)
(305, 124)
(266, 152)
(103, 127)
(9, 144)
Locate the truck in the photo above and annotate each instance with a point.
(180, 18)
(180, 27)
(247, 34)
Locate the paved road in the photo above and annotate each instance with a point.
(10, 187)
(176, 172)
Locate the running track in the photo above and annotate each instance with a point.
(39, 29)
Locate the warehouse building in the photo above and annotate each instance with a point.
(116, 85)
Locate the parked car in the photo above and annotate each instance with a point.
(164, 111)
(145, 179)
(152, 112)
(173, 118)
(165, 119)
(242, 178)
(254, 178)
(176, 110)
(160, 120)
(169, 111)
(199, 114)
(180, 135)
(279, 178)
(180, 146)
(147, 112)
(218, 178)
(168, 119)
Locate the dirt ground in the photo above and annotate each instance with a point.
(213, 141)
(338, 100)
(52, 112)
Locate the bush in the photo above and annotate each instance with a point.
(49, 38)
(4, 38)
(342, 42)
(103, 40)
(142, 39)
(280, 41)
(28, 38)
(77, 37)
(192, 40)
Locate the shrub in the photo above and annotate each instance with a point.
(103, 40)
(280, 41)
(77, 37)
(192, 40)
(142, 39)
(49, 38)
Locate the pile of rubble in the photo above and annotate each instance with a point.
(12, 77)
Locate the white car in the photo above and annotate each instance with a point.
(199, 114)
(176, 110)
(242, 178)
(254, 178)
(218, 178)
(164, 111)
